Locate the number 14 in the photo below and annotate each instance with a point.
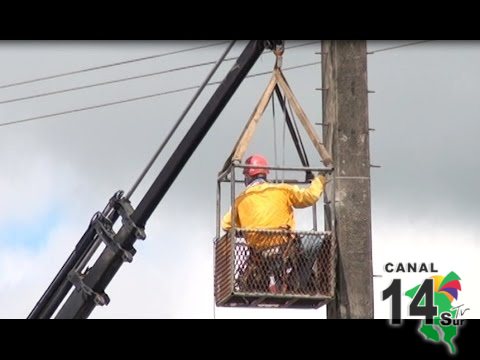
(429, 310)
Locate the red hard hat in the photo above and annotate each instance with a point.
(257, 160)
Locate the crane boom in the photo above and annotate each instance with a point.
(90, 286)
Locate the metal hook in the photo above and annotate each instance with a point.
(279, 49)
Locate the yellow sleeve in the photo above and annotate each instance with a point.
(227, 221)
(303, 197)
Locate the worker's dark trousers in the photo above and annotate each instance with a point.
(310, 252)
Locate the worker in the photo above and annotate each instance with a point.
(263, 205)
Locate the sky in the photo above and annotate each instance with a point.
(58, 171)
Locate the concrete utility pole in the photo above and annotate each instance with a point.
(346, 136)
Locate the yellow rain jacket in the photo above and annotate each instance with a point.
(270, 206)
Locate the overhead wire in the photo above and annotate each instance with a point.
(149, 74)
(109, 82)
(29, 119)
(399, 46)
(108, 65)
(105, 83)
(180, 119)
(303, 44)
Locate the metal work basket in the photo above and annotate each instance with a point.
(274, 268)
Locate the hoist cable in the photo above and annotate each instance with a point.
(292, 129)
(275, 160)
(180, 119)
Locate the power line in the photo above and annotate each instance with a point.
(284, 69)
(141, 97)
(179, 121)
(108, 65)
(399, 46)
(105, 83)
(304, 44)
(109, 82)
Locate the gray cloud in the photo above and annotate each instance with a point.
(424, 110)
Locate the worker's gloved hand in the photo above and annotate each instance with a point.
(323, 179)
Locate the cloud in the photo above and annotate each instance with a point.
(426, 126)
(27, 184)
(26, 274)
(424, 198)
